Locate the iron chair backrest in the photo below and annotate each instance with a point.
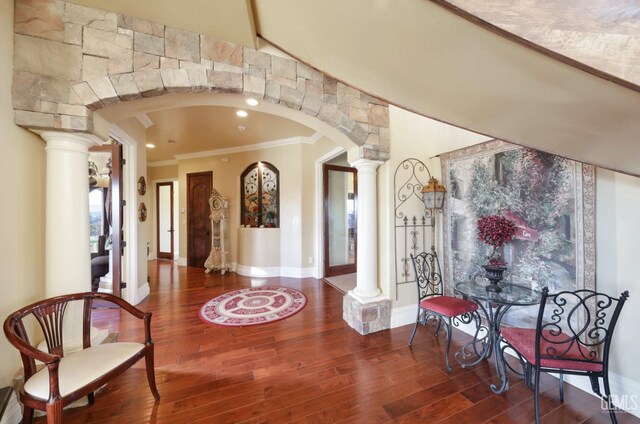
(580, 324)
(426, 268)
(49, 314)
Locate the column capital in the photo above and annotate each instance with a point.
(367, 151)
(363, 163)
(72, 142)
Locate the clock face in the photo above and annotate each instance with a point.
(217, 203)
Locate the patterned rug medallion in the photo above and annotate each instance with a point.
(258, 305)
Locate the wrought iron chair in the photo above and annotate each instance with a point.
(569, 338)
(433, 303)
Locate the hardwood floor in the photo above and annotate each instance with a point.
(310, 368)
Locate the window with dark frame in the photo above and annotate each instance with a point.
(260, 185)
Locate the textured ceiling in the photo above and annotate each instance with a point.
(419, 55)
(203, 128)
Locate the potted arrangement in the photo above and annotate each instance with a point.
(495, 231)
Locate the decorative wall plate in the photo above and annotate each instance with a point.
(142, 186)
(142, 212)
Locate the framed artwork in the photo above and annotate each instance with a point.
(142, 186)
(142, 212)
(550, 199)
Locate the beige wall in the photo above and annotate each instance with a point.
(155, 174)
(296, 164)
(22, 170)
(412, 136)
(162, 172)
(617, 225)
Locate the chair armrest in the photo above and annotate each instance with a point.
(26, 348)
(146, 316)
(121, 303)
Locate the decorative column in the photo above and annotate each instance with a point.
(363, 308)
(67, 252)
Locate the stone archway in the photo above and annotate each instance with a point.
(72, 60)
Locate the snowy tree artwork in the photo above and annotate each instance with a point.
(550, 199)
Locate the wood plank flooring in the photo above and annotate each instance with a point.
(310, 368)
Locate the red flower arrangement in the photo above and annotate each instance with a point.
(495, 231)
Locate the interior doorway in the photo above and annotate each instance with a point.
(198, 223)
(340, 187)
(165, 223)
(106, 216)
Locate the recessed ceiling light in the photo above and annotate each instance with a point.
(241, 127)
(150, 145)
(252, 102)
(242, 113)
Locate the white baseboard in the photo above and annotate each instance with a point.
(296, 272)
(142, 293)
(276, 271)
(152, 257)
(182, 261)
(403, 315)
(625, 392)
(13, 413)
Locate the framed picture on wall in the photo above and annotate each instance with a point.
(550, 199)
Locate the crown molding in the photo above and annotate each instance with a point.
(314, 137)
(249, 147)
(162, 163)
(144, 119)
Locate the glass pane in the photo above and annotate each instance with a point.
(342, 218)
(269, 198)
(164, 218)
(96, 218)
(250, 203)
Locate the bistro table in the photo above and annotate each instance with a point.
(493, 305)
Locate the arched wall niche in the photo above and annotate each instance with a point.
(71, 61)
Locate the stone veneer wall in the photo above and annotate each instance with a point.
(71, 60)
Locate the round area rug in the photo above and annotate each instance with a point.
(258, 305)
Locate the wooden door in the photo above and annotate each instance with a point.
(164, 220)
(340, 186)
(198, 222)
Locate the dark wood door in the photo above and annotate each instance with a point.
(340, 186)
(164, 220)
(198, 222)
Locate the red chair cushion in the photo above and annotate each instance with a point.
(448, 306)
(524, 341)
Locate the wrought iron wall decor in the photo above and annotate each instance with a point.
(413, 224)
(260, 185)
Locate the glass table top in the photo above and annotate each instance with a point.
(511, 294)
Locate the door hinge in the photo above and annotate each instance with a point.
(123, 203)
(123, 161)
(123, 285)
(123, 243)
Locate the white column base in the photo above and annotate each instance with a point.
(366, 299)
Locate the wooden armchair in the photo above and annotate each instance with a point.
(66, 378)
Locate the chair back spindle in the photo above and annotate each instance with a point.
(426, 268)
(50, 318)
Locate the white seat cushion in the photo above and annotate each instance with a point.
(82, 367)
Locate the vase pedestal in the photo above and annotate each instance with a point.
(494, 274)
